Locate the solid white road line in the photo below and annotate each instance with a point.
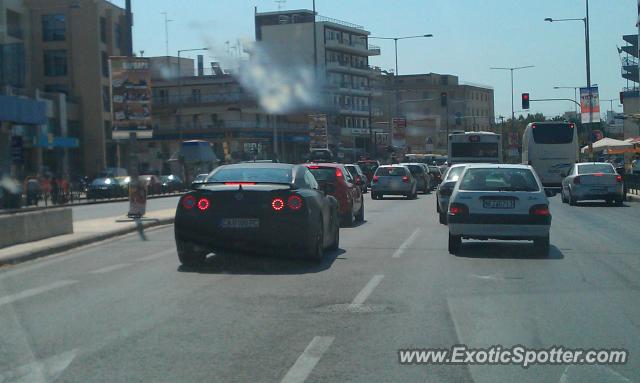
(408, 242)
(367, 290)
(35, 291)
(107, 269)
(307, 361)
(157, 255)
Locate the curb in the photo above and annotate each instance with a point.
(29, 255)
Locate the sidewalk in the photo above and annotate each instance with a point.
(84, 232)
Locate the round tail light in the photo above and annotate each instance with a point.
(294, 202)
(188, 202)
(277, 204)
(203, 204)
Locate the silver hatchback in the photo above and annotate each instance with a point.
(393, 180)
(592, 181)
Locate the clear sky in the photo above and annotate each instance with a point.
(470, 37)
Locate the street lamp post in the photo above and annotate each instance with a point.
(585, 20)
(513, 114)
(180, 75)
(395, 41)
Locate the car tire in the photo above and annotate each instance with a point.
(571, 200)
(374, 195)
(190, 255)
(541, 245)
(619, 202)
(347, 219)
(442, 218)
(315, 250)
(408, 195)
(437, 205)
(336, 235)
(455, 243)
(360, 214)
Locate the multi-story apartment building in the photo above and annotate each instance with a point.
(338, 52)
(213, 106)
(630, 94)
(419, 99)
(70, 45)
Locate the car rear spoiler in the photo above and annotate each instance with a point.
(291, 185)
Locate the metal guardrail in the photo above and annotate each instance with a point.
(339, 22)
(632, 183)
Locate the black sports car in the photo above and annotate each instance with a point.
(256, 206)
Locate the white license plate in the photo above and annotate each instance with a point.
(240, 223)
(498, 204)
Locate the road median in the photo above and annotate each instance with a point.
(85, 233)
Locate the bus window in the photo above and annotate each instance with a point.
(552, 133)
(476, 149)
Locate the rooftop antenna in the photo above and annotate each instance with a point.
(280, 3)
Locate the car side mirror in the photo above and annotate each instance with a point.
(549, 192)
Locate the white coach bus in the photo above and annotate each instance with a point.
(551, 148)
(470, 147)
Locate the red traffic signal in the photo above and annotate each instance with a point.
(525, 100)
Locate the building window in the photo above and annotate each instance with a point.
(195, 95)
(54, 27)
(117, 35)
(103, 29)
(55, 63)
(57, 88)
(106, 99)
(105, 64)
(13, 24)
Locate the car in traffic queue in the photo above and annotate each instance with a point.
(171, 183)
(368, 168)
(257, 207)
(199, 180)
(592, 181)
(496, 201)
(436, 175)
(337, 181)
(101, 188)
(445, 189)
(123, 183)
(152, 182)
(359, 177)
(421, 173)
(393, 180)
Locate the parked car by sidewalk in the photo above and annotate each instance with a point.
(171, 183)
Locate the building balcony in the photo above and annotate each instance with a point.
(356, 48)
(336, 66)
(361, 111)
(211, 98)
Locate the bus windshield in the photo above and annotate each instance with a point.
(474, 149)
(560, 133)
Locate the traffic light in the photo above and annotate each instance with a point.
(525, 100)
(443, 99)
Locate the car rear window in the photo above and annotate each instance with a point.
(454, 173)
(596, 168)
(352, 170)
(499, 179)
(324, 174)
(415, 169)
(253, 174)
(391, 172)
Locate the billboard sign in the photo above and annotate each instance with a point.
(399, 132)
(130, 97)
(590, 105)
(318, 132)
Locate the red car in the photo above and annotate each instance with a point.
(337, 181)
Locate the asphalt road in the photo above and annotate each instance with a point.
(112, 209)
(124, 311)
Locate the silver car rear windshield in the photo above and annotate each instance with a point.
(454, 173)
(595, 168)
(499, 179)
(392, 172)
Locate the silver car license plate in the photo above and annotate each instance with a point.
(498, 204)
(240, 223)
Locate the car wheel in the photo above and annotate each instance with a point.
(374, 195)
(437, 205)
(618, 202)
(347, 219)
(360, 215)
(336, 235)
(315, 250)
(442, 218)
(563, 198)
(541, 245)
(571, 200)
(190, 254)
(425, 190)
(408, 195)
(455, 243)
